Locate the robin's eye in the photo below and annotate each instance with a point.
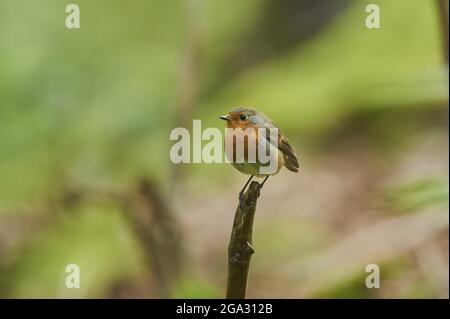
(243, 117)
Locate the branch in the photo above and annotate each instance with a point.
(240, 248)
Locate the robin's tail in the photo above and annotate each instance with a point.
(290, 159)
(291, 163)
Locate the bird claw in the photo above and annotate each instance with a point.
(258, 190)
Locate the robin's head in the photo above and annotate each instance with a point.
(244, 117)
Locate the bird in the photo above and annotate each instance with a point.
(245, 117)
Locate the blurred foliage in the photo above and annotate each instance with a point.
(193, 287)
(96, 105)
(351, 287)
(305, 237)
(415, 196)
(366, 69)
(103, 247)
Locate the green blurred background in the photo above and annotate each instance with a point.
(85, 173)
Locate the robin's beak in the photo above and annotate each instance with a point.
(224, 117)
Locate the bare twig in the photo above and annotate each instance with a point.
(240, 249)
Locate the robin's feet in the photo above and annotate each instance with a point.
(260, 186)
(258, 190)
(241, 193)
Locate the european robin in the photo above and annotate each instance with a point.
(253, 122)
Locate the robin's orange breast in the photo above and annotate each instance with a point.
(242, 145)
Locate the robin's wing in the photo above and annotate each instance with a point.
(290, 159)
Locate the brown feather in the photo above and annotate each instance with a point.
(290, 159)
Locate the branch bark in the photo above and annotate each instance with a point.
(240, 248)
